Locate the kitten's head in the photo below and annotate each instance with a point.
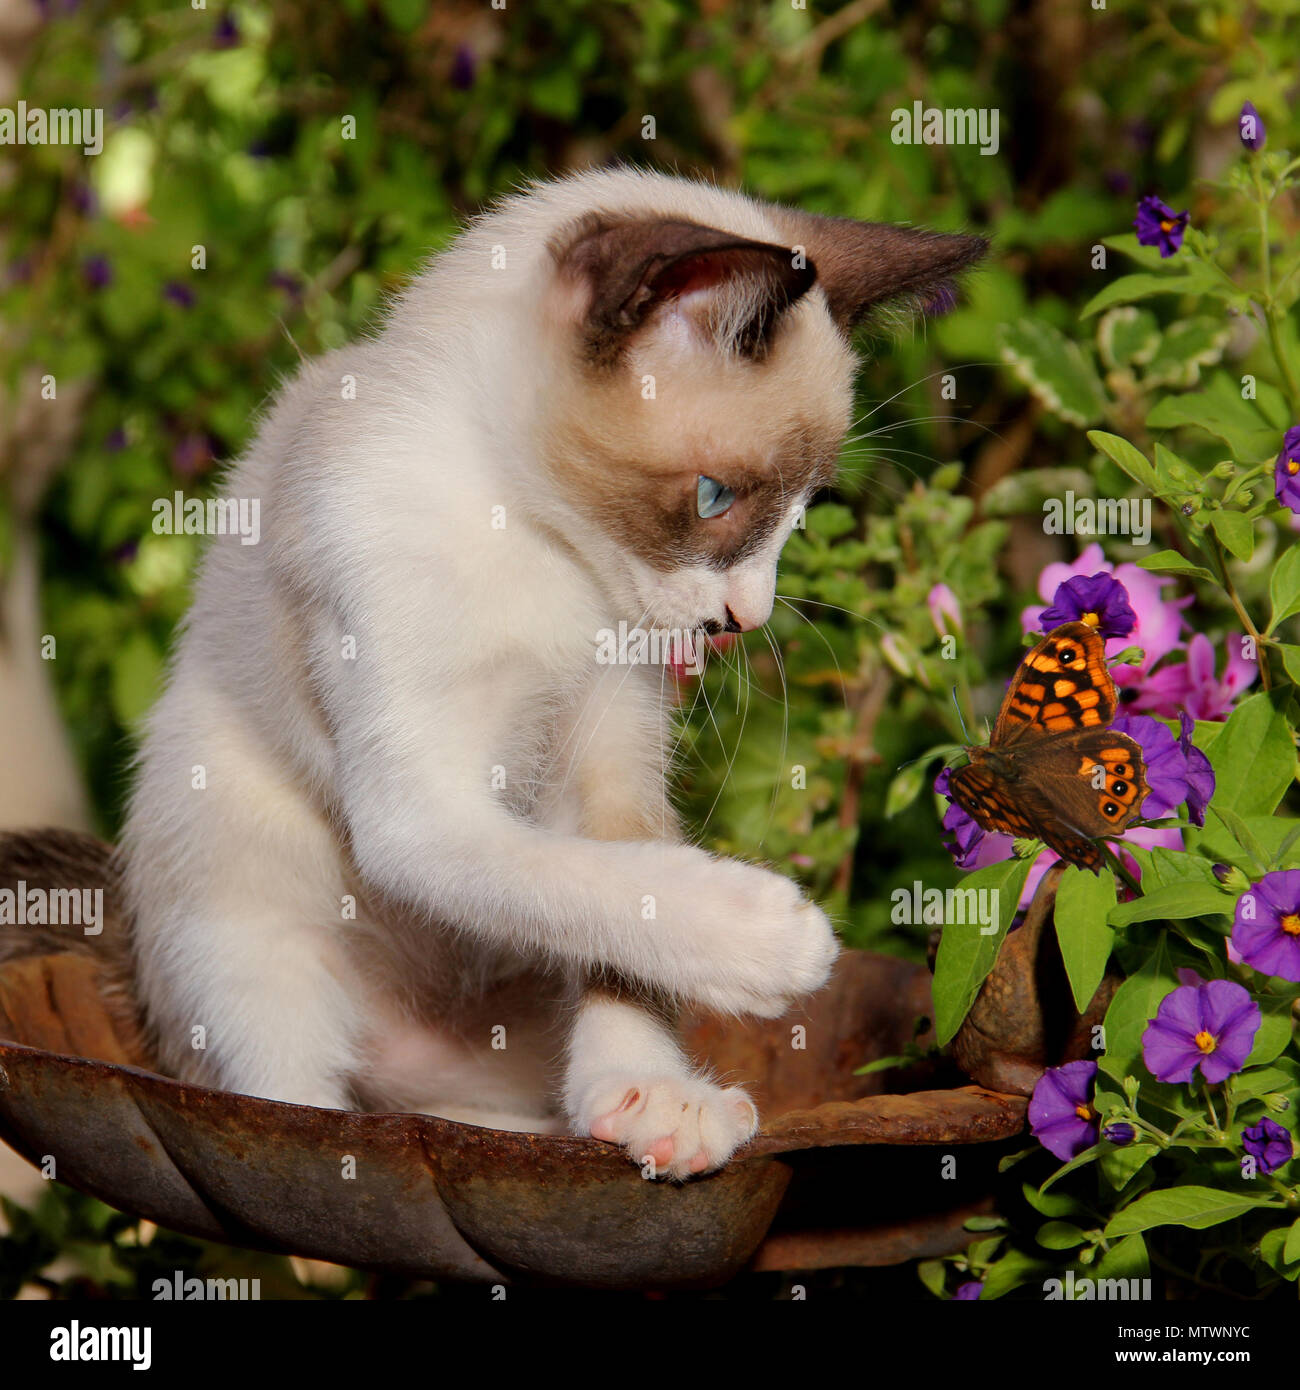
(702, 386)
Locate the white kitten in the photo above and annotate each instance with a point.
(398, 839)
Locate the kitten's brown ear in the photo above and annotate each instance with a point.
(630, 267)
(863, 264)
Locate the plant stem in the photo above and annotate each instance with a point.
(1120, 870)
(1225, 579)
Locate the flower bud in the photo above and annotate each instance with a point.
(1119, 1134)
(1232, 879)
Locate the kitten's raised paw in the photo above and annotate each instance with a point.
(674, 1127)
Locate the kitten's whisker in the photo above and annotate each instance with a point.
(803, 617)
(785, 731)
(902, 391)
(861, 617)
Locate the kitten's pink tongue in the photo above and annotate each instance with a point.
(682, 672)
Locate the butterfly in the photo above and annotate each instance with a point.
(1053, 770)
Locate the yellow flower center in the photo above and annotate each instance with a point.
(1092, 619)
(1207, 1042)
(1166, 225)
(1291, 924)
(1293, 466)
(1084, 1112)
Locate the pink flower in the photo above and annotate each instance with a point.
(1159, 625)
(945, 610)
(1158, 630)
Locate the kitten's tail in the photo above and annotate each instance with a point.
(60, 891)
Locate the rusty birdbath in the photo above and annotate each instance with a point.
(844, 1171)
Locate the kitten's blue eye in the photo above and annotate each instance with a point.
(712, 498)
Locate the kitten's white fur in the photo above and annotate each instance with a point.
(281, 778)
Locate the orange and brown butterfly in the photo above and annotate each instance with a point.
(1054, 770)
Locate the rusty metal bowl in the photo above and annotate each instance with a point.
(844, 1172)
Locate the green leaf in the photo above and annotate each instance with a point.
(1139, 286)
(1171, 562)
(1174, 900)
(1082, 902)
(1253, 758)
(1058, 371)
(135, 677)
(1128, 336)
(1219, 410)
(1012, 1270)
(1274, 1029)
(906, 787)
(1120, 1165)
(1133, 462)
(933, 1274)
(1236, 531)
(1133, 1007)
(1273, 1250)
(1186, 347)
(1284, 586)
(1290, 660)
(1194, 1207)
(967, 954)
(1291, 1250)
(1060, 1235)
(1126, 1259)
(1056, 1206)
(1241, 832)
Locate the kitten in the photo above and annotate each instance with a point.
(398, 840)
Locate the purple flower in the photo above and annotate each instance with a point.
(963, 837)
(285, 281)
(1271, 1145)
(1099, 600)
(192, 455)
(226, 34)
(1159, 622)
(969, 1292)
(1061, 1116)
(1166, 768)
(115, 441)
(942, 301)
(1117, 181)
(1120, 1134)
(1200, 775)
(1210, 1025)
(1266, 925)
(97, 271)
(1159, 225)
(176, 293)
(464, 68)
(1251, 127)
(1286, 475)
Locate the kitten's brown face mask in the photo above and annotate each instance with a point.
(708, 387)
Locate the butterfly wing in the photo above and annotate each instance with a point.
(1019, 809)
(1063, 684)
(1063, 789)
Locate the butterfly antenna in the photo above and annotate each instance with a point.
(957, 706)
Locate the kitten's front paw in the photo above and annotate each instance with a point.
(682, 1126)
(767, 944)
